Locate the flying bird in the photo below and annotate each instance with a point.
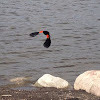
(47, 42)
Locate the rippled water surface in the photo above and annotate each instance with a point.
(74, 26)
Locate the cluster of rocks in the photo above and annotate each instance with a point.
(88, 81)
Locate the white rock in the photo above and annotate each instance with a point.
(95, 89)
(48, 80)
(89, 81)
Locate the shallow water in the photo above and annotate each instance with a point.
(74, 26)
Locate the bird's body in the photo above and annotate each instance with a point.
(47, 43)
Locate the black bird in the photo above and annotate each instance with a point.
(47, 42)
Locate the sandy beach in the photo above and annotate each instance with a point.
(45, 94)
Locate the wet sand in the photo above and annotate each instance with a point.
(45, 94)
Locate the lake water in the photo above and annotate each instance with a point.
(74, 26)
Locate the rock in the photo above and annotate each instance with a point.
(95, 89)
(20, 80)
(89, 81)
(48, 80)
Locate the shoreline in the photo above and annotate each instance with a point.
(45, 94)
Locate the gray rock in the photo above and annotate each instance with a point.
(20, 80)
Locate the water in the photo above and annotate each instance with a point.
(74, 26)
